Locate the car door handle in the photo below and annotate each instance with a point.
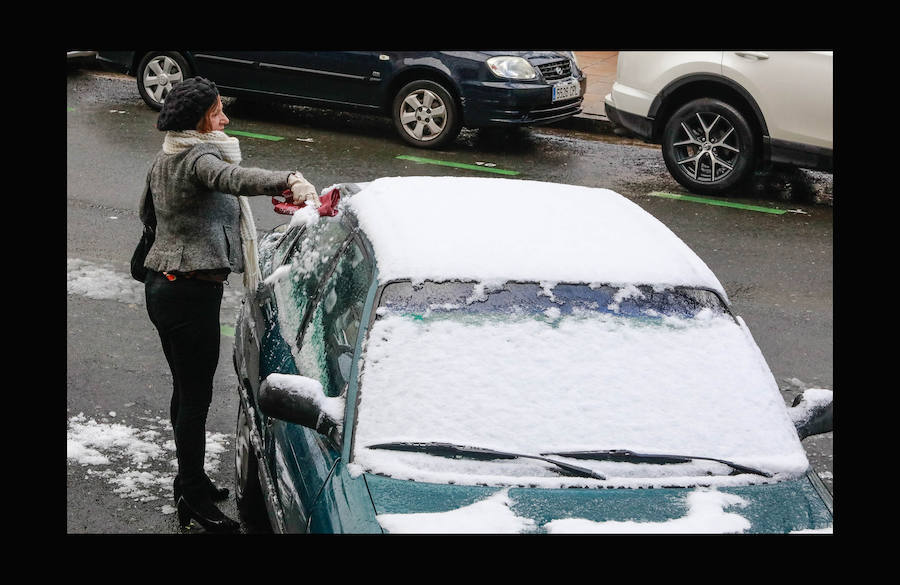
(758, 55)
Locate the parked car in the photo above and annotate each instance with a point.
(494, 355)
(719, 115)
(429, 95)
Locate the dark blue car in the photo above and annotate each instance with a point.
(430, 95)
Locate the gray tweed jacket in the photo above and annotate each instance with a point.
(197, 211)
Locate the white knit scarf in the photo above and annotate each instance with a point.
(231, 151)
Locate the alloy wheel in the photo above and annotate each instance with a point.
(707, 148)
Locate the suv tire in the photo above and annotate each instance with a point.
(425, 114)
(709, 147)
(157, 73)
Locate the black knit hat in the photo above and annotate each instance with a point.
(186, 104)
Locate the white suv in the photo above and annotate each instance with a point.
(718, 115)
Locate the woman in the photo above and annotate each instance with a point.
(196, 188)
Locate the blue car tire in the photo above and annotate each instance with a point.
(157, 73)
(425, 114)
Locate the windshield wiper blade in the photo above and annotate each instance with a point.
(451, 450)
(632, 456)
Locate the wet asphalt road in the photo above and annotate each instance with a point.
(777, 269)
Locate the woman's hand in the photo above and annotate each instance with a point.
(303, 191)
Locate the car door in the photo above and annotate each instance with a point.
(228, 69)
(326, 77)
(285, 300)
(794, 90)
(328, 349)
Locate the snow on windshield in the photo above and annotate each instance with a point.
(583, 380)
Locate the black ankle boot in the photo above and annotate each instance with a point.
(200, 508)
(216, 494)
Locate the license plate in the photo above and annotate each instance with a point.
(566, 90)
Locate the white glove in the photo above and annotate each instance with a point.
(303, 190)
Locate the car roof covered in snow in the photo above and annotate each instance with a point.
(498, 230)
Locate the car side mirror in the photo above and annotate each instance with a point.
(302, 401)
(813, 412)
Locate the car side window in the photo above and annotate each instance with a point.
(296, 287)
(327, 348)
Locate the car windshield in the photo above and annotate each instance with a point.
(511, 383)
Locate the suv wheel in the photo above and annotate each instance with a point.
(157, 73)
(425, 114)
(708, 146)
(247, 491)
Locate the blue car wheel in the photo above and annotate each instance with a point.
(157, 73)
(425, 114)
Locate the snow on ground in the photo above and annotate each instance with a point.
(102, 282)
(138, 462)
(136, 459)
(105, 282)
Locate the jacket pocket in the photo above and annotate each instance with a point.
(232, 246)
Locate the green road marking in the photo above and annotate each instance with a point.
(717, 202)
(227, 330)
(444, 163)
(252, 135)
(70, 109)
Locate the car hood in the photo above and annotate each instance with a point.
(415, 507)
(538, 55)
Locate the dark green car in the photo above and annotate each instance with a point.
(456, 355)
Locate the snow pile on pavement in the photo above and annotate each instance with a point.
(139, 463)
(104, 282)
(92, 443)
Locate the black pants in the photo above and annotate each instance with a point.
(185, 312)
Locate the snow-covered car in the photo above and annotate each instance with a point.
(719, 115)
(453, 354)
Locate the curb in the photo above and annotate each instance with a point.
(584, 122)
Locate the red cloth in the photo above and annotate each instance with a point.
(329, 202)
